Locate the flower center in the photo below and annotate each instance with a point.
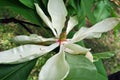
(62, 38)
(60, 42)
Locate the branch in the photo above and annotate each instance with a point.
(26, 28)
(22, 23)
(8, 20)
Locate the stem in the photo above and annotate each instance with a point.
(26, 28)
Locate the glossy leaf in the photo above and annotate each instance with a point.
(80, 68)
(17, 71)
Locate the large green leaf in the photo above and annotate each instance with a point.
(103, 55)
(80, 68)
(86, 7)
(102, 10)
(17, 71)
(19, 8)
(101, 73)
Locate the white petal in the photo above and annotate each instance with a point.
(56, 68)
(79, 34)
(75, 49)
(89, 56)
(94, 35)
(58, 13)
(96, 30)
(105, 25)
(82, 34)
(71, 23)
(44, 18)
(24, 53)
(33, 38)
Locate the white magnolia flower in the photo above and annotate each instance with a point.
(56, 68)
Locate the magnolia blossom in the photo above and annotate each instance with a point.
(56, 68)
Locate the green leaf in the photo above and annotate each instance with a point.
(101, 73)
(16, 71)
(103, 55)
(72, 3)
(27, 3)
(80, 68)
(86, 7)
(102, 10)
(116, 32)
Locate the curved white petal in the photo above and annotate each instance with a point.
(24, 53)
(33, 38)
(89, 56)
(94, 35)
(71, 23)
(45, 18)
(96, 30)
(79, 35)
(75, 49)
(58, 13)
(56, 68)
(105, 25)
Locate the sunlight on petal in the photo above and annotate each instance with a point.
(56, 68)
(24, 53)
(58, 13)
